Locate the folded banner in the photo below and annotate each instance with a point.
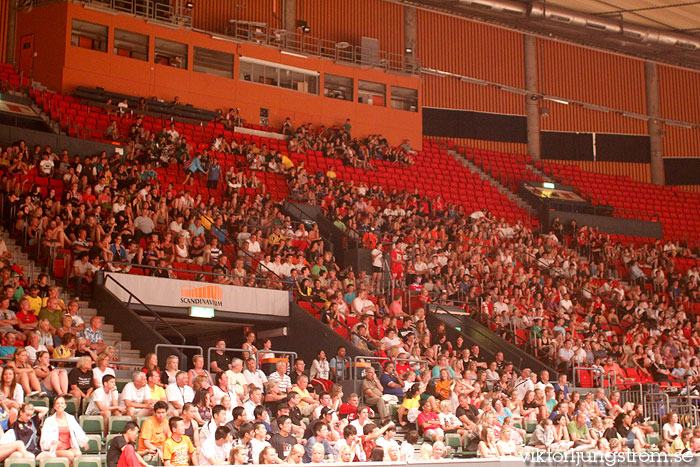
(184, 294)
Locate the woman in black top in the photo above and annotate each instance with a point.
(80, 379)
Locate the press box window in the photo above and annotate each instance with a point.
(404, 98)
(337, 87)
(171, 53)
(213, 62)
(274, 74)
(131, 44)
(89, 35)
(371, 93)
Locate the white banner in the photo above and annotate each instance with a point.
(184, 294)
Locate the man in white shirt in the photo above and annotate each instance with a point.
(215, 449)
(136, 397)
(253, 244)
(178, 393)
(565, 304)
(236, 379)
(258, 443)
(256, 398)
(524, 384)
(105, 401)
(388, 439)
(361, 305)
(281, 377)
(253, 375)
(218, 419)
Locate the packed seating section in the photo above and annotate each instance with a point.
(571, 296)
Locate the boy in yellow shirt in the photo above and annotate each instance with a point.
(178, 449)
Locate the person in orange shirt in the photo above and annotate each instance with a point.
(178, 450)
(154, 432)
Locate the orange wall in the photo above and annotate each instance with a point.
(679, 91)
(636, 171)
(85, 67)
(470, 49)
(49, 42)
(591, 76)
(349, 21)
(214, 15)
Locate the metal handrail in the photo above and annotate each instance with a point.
(261, 34)
(157, 317)
(465, 335)
(173, 269)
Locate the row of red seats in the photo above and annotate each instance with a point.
(635, 200)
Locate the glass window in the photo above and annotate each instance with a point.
(131, 44)
(245, 71)
(171, 53)
(89, 35)
(213, 62)
(274, 74)
(337, 87)
(404, 98)
(371, 93)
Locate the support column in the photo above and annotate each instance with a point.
(651, 81)
(289, 15)
(532, 101)
(11, 33)
(410, 28)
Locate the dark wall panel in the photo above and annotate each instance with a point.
(570, 146)
(682, 171)
(622, 148)
(474, 125)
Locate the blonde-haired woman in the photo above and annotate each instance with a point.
(295, 455)
(198, 370)
(80, 379)
(172, 366)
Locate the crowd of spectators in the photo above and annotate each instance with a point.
(567, 305)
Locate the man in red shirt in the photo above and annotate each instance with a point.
(429, 423)
(27, 319)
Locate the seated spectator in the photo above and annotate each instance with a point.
(105, 401)
(80, 379)
(53, 380)
(154, 431)
(178, 449)
(281, 377)
(179, 393)
(373, 392)
(121, 450)
(25, 375)
(429, 423)
(26, 430)
(9, 345)
(61, 434)
(136, 396)
(93, 335)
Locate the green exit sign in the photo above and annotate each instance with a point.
(201, 312)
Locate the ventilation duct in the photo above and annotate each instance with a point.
(539, 11)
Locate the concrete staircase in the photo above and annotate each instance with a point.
(501, 189)
(125, 354)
